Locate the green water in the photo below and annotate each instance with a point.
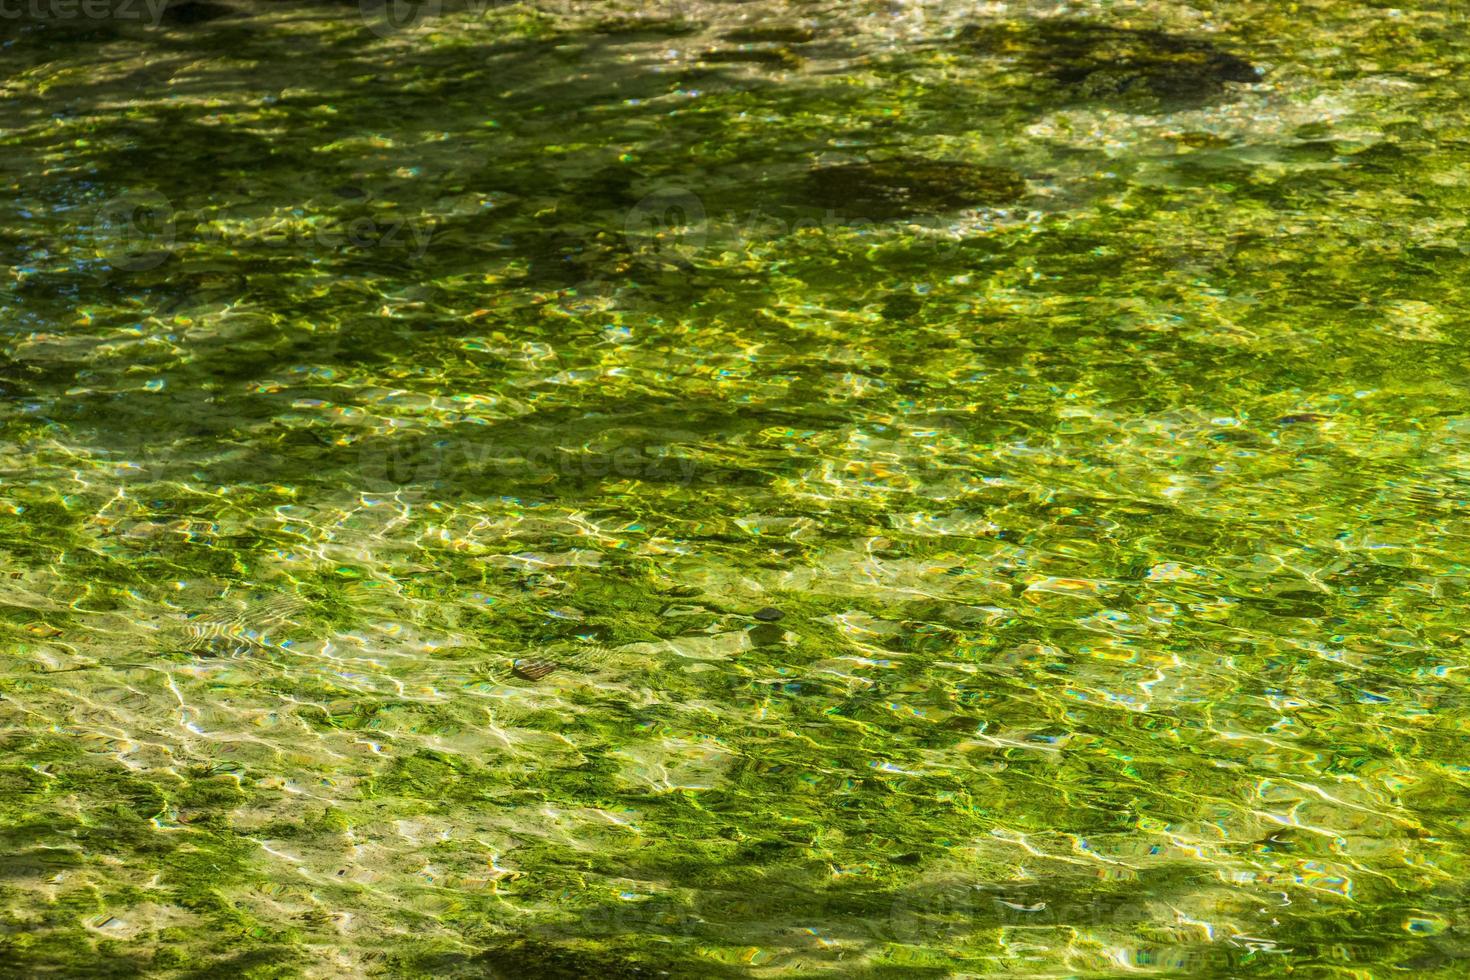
(1077, 392)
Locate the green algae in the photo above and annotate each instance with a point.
(1102, 449)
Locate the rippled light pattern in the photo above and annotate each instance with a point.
(880, 488)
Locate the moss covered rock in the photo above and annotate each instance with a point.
(1097, 61)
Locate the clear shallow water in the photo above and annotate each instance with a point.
(1093, 414)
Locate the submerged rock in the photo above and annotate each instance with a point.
(773, 57)
(772, 35)
(906, 186)
(660, 26)
(901, 306)
(533, 670)
(1096, 61)
(196, 12)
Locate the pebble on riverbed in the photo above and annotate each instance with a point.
(905, 186)
(773, 34)
(533, 670)
(192, 12)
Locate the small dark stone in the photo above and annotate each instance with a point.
(775, 35)
(666, 27)
(556, 258)
(906, 186)
(533, 670)
(752, 56)
(769, 614)
(901, 306)
(196, 12)
(611, 186)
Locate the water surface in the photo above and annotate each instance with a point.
(1077, 392)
